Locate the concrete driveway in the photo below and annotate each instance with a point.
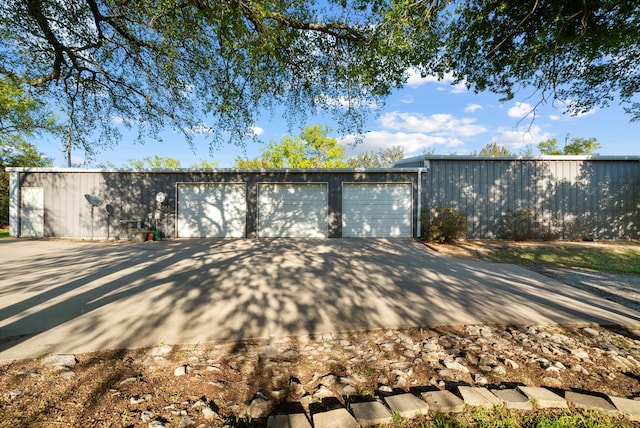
(58, 296)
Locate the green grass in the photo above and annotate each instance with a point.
(596, 258)
(500, 417)
(4, 233)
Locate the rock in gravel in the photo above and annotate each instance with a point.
(512, 364)
(12, 395)
(186, 422)
(160, 350)
(347, 390)
(146, 416)
(180, 371)
(328, 380)
(259, 408)
(454, 365)
(580, 353)
(472, 330)
(296, 390)
(208, 413)
(60, 360)
(322, 392)
(499, 370)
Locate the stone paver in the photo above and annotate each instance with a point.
(474, 396)
(443, 401)
(543, 398)
(589, 402)
(294, 420)
(629, 408)
(512, 399)
(371, 413)
(338, 418)
(407, 405)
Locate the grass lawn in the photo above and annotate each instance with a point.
(4, 233)
(600, 258)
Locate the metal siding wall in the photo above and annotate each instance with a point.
(598, 197)
(570, 198)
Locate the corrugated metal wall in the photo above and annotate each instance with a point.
(566, 198)
(132, 195)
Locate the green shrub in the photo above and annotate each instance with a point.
(443, 224)
(520, 225)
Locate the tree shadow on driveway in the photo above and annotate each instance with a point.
(78, 297)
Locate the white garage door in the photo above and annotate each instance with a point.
(208, 210)
(296, 210)
(376, 210)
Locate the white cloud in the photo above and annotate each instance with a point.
(415, 132)
(345, 103)
(200, 129)
(471, 108)
(256, 130)
(569, 103)
(515, 139)
(520, 110)
(412, 143)
(438, 124)
(587, 113)
(415, 80)
(407, 99)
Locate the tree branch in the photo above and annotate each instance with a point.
(513, 30)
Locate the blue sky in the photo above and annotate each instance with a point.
(425, 115)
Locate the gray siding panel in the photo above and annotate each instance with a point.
(567, 198)
(132, 196)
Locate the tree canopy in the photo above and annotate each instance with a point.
(212, 67)
(493, 149)
(311, 149)
(207, 67)
(21, 116)
(577, 146)
(583, 53)
(383, 158)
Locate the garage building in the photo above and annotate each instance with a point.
(224, 203)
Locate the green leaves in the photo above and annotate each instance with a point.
(311, 149)
(223, 63)
(586, 52)
(577, 146)
(153, 64)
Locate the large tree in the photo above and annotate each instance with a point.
(21, 117)
(577, 146)
(584, 53)
(383, 158)
(493, 149)
(313, 148)
(209, 66)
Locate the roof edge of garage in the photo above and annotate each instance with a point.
(219, 170)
